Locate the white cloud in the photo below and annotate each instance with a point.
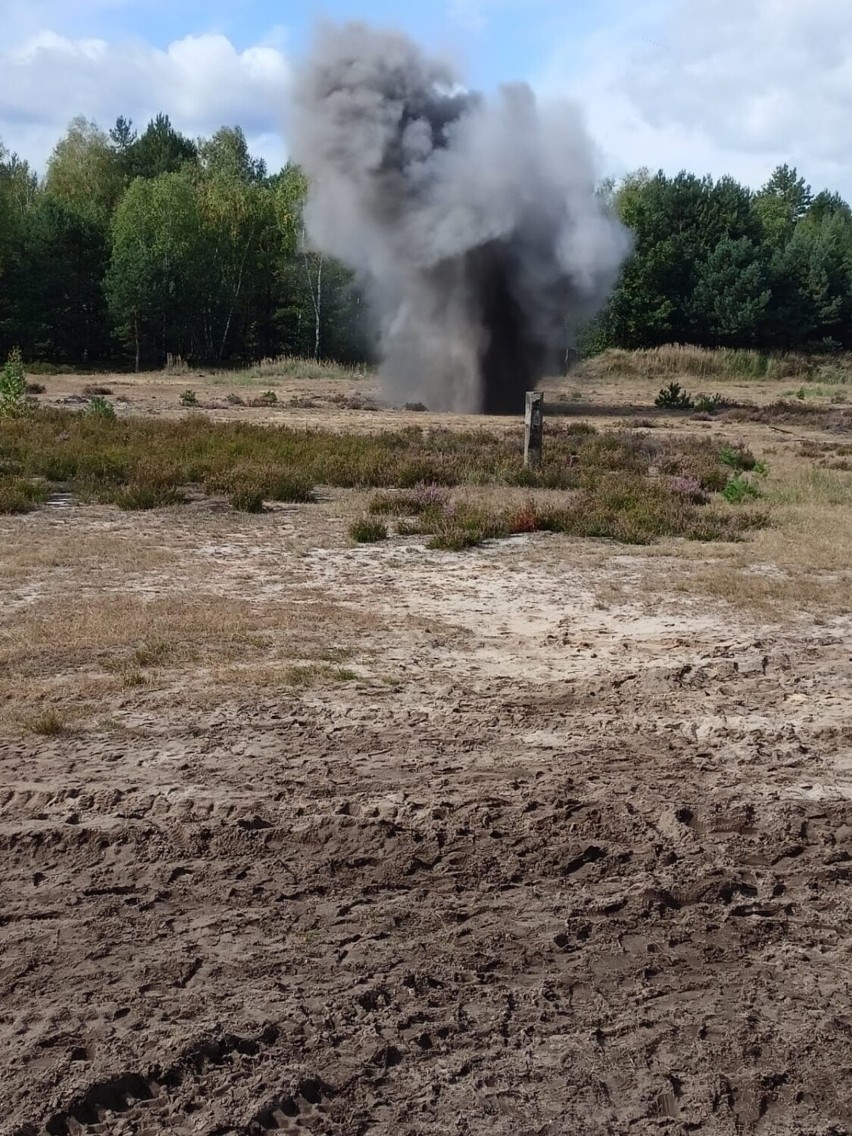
(202, 82)
(723, 87)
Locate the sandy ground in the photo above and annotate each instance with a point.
(549, 837)
(353, 399)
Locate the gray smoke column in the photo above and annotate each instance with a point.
(473, 224)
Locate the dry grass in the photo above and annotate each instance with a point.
(764, 591)
(287, 368)
(125, 633)
(799, 565)
(83, 657)
(674, 361)
(97, 558)
(66, 633)
(113, 554)
(48, 723)
(304, 675)
(801, 415)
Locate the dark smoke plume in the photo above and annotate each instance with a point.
(473, 224)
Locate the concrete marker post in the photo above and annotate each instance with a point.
(533, 429)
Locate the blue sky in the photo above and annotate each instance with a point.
(496, 40)
(715, 86)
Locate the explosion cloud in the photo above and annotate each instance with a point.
(472, 223)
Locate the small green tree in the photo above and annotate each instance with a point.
(13, 386)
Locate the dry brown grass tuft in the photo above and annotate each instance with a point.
(47, 723)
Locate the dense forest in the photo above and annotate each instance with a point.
(134, 247)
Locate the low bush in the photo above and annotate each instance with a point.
(460, 525)
(619, 505)
(245, 481)
(47, 723)
(13, 386)
(246, 498)
(710, 403)
(368, 531)
(740, 489)
(737, 457)
(146, 495)
(18, 495)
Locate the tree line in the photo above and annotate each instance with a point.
(134, 247)
(138, 247)
(719, 265)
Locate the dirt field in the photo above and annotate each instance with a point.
(546, 837)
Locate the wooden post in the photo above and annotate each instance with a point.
(533, 429)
